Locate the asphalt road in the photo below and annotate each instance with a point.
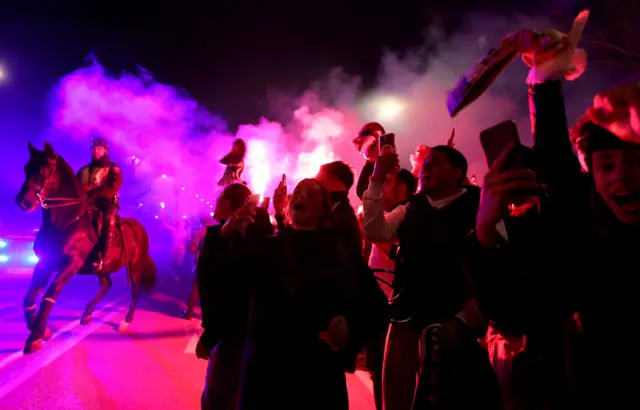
(151, 366)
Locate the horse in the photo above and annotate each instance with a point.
(66, 242)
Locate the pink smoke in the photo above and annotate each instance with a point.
(176, 150)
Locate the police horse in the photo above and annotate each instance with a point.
(66, 243)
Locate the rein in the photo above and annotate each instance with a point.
(59, 203)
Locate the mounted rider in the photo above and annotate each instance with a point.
(101, 180)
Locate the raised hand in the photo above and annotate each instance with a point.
(280, 196)
(385, 164)
(501, 189)
(337, 334)
(241, 218)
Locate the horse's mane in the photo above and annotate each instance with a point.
(67, 174)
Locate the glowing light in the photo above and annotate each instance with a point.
(135, 161)
(183, 188)
(139, 205)
(162, 205)
(211, 214)
(3, 258)
(389, 108)
(260, 171)
(309, 163)
(33, 259)
(3, 244)
(157, 217)
(3, 74)
(164, 176)
(197, 195)
(184, 216)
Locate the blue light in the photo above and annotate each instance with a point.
(3, 244)
(32, 259)
(3, 258)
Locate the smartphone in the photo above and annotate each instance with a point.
(265, 202)
(387, 143)
(495, 139)
(254, 199)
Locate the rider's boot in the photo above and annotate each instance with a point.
(108, 232)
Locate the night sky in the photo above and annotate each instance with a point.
(229, 55)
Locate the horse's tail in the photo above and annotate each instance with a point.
(148, 274)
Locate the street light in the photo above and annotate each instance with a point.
(389, 108)
(385, 109)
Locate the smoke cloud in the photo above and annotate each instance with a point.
(170, 146)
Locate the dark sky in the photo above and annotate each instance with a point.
(226, 54)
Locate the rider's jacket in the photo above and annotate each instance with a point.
(101, 179)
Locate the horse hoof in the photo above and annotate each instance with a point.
(47, 334)
(32, 347)
(123, 326)
(85, 320)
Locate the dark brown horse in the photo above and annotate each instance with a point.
(66, 243)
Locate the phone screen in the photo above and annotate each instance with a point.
(387, 143)
(254, 199)
(495, 139)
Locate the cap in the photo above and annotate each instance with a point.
(99, 142)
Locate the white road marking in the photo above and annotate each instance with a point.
(193, 341)
(6, 305)
(50, 353)
(365, 378)
(10, 315)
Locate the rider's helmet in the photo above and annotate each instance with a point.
(100, 142)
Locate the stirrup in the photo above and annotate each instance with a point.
(99, 264)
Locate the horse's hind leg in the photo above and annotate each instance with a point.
(68, 268)
(105, 285)
(136, 286)
(41, 275)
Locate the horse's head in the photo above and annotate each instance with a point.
(41, 178)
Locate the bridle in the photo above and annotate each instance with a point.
(55, 202)
(43, 197)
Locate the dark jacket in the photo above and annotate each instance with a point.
(363, 179)
(224, 293)
(430, 275)
(603, 251)
(101, 178)
(302, 280)
(345, 222)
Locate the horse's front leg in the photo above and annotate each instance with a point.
(39, 280)
(69, 265)
(105, 285)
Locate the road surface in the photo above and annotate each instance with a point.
(151, 366)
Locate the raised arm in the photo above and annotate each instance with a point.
(377, 226)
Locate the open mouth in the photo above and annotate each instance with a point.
(626, 198)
